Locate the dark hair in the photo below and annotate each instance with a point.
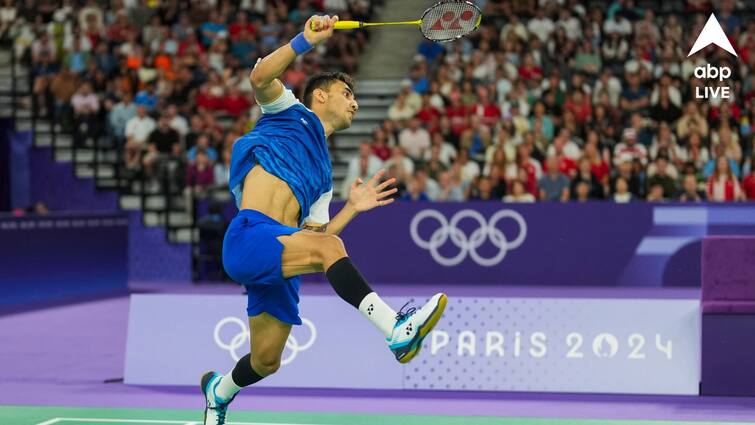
(324, 81)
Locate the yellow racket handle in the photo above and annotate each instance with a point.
(350, 25)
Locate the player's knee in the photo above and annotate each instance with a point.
(266, 364)
(331, 248)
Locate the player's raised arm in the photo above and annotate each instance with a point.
(264, 76)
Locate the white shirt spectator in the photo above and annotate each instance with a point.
(469, 171)
(674, 96)
(517, 28)
(180, 124)
(414, 142)
(632, 66)
(674, 69)
(503, 87)
(138, 129)
(525, 197)
(541, 28)
(91, 10)
(671, 170)
(635, 151)
(39, 47)
(612, 87)
(401, 111)
(7, 15)
(373, 166)
(572, 27)
(618, 24)
(222, 174)
(571, 150)
(445, 156)
(336, 5)
(79, 102)
(406, 166)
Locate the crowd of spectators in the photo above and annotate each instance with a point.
(165, 82)
(565, 100)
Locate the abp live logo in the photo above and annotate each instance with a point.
(712, 33)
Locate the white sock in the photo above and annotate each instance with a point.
(226, 388)
(378, 312)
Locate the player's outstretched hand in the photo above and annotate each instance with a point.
(319, 28)
(366, 196)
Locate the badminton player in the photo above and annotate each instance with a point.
(281, 180)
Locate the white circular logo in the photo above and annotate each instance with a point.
(468, 245)
(239, 339)
(605, 345)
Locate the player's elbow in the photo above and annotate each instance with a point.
(258, 79)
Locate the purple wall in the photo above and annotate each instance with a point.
(48, 177)
(152, 258)
(62, 256)
(6, 129)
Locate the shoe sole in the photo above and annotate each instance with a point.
(425, 329)
(206, 378)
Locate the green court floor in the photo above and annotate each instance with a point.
(12, 415)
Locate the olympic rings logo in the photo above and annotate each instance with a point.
(240, 339)
(468, 245)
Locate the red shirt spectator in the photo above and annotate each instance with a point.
(567, 166)
(205, 99)
(200, 174)
(190, 46)
(600, 170)
(580, 106)
(722, 184)
(242, 23)
(528, 170)
(120, 30)
(748, 186)
(381, 151)
(457, 113)
(488, 112)
(429, 117)
(235, 103)
(529, 69)
(379, 144)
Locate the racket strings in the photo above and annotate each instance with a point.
(450, 20)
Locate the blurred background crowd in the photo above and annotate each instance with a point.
(548, 101)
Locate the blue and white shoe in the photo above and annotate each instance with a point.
(215, 410)
(412, 326)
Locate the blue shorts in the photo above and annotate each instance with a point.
(252, 257)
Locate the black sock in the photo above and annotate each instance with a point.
(348, 282)
(243, 375)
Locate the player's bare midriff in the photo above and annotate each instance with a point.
(271, 196)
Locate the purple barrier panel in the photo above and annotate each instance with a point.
(21, 144)
(728, 302)
(728, 272)
(596, 244)
(6, 131)
(637, 346)
(330, 350)
(55, 184)
(728, 348)
(152, 258)
(62, 256)
(545, 244)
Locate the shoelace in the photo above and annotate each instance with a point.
(221, 410)
(401, 315)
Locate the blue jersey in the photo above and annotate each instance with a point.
(289, 142)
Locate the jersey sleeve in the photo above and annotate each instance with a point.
(319, 212)
(283, 102)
